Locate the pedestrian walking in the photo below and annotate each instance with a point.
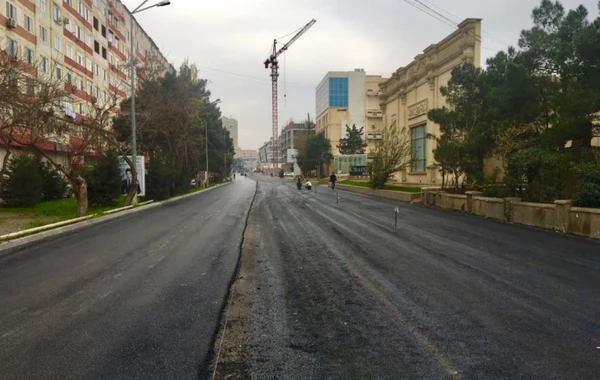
(332, 179)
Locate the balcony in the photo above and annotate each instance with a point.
(375, 113)
(378, 135)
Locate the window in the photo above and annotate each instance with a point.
(68, 25)
(79, 58)
(28, 55)
(12, 48)
(78, 33)
(89, 88)
(28, 23)
(88, 40)
(43, 34)
(29, 86)
(58, 70)
(88, 64)
(103, 52)
(96, 23)
(80, 7)
(69, 79)
(56, 13)
(104, 74)
(79, 83)
(96, 70)
(103, 31)
(97, 47)
(110, 36)
(42, 4)
(418, 139)
(58, 44)
(69, 51)
(43, 64)
(338, 92)
(87, 14)
(11, 11)
(110, 58)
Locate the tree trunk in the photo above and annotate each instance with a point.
(4, 169)
(81, 194)
(131, 197)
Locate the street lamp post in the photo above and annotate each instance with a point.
(132, 77)
(206, 142)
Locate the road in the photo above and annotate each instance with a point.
(137, 297)
(328, 291)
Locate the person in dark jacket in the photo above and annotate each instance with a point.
(332, 179)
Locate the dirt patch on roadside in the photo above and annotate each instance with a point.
(14, 222)
(230, 347)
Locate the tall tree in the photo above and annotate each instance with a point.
(391, 154)
(353, 143)
(561, 53)
(464, 136)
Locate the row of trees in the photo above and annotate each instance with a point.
(174, 114)
(526, 107)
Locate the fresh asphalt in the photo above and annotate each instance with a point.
(339, 293)
(138, 297)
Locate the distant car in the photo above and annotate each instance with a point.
(288, 174)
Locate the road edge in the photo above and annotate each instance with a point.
(207, 369)
(12, 246)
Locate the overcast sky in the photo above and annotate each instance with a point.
(230, 39)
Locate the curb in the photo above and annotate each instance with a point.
(26, 238)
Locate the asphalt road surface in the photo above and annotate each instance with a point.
(334, 291)
(136, 298)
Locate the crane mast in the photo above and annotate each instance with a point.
(274, 64)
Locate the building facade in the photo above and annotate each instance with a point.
(247, 154)
(83, 43)
(291, 140)
(231, 125)
(415, 89)
(346, 98)
(265, 155)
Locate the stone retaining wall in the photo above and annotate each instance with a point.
(559, 216)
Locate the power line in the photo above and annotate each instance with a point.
(252, 78)
(460, 19)
(420, 5)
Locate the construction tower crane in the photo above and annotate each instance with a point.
(272, 61)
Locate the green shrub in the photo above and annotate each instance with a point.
(158, 180)
(538, 175)
(24, 185)
(104, 180)
(588, 188)
(53, 183)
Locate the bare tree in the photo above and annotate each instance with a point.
(390, 155)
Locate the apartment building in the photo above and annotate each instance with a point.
(247, 154)
(231, 125)
(348, 98)
(291, 140)
(265, 155)
(83, 43)
(414, 89)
